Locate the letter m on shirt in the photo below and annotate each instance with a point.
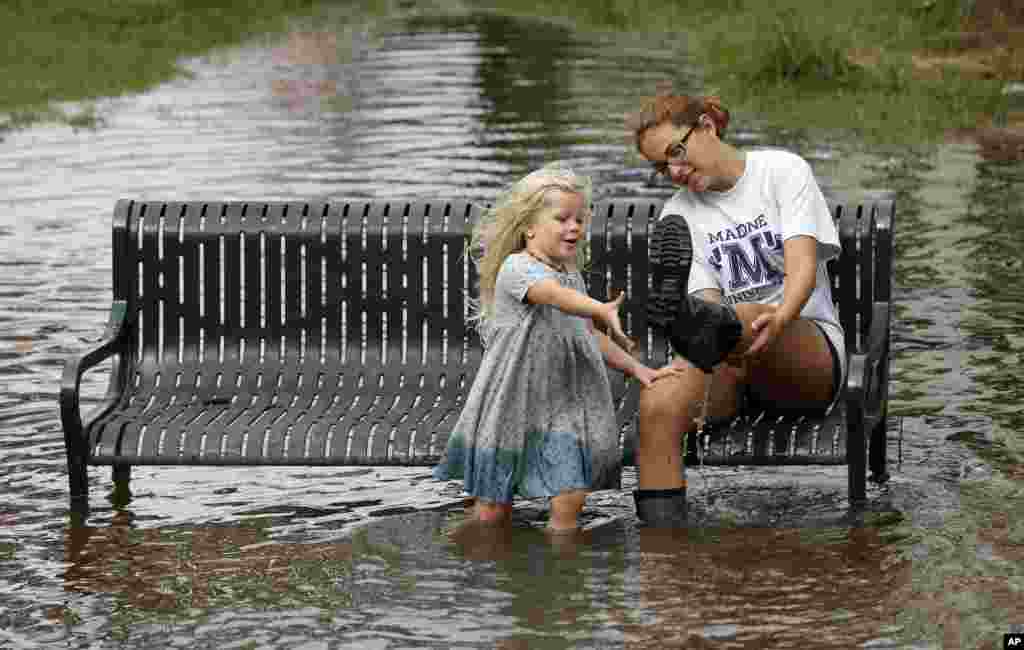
(748, 270)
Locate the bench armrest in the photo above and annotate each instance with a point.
(114, 343)
(863, 370)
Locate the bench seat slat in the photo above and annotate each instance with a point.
(234, 426)
(366, 433)
(775, 436)
(438, 404)
(866, 263)
(254, 419)
(170, 268)
(394, 437)
(356, 401)
(848, 278)
(272, 279)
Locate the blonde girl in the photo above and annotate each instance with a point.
(539, 419)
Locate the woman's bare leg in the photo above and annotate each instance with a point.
(796, 369)
(668, 410)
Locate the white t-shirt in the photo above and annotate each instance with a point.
(738, 234)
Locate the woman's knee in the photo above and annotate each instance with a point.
(665, 399)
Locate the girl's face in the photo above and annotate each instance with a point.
(557, 233)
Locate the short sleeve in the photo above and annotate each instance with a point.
(520, 272)
(803, 209)
(701, 277)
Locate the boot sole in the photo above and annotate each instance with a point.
(670, 252)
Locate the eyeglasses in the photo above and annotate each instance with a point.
(675, 153)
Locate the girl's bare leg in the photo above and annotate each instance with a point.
(492, 512)
(565, 509)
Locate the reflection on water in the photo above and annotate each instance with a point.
(458, 106)
(161, 569)
(996, 218)
(492, 586)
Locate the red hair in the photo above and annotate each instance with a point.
(680, 110)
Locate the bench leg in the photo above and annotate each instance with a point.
(78, 479)
(857, 484)
(856, 458)
(78, 488)
(121, 475)
(877, 454)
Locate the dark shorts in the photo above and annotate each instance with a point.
(837, 363)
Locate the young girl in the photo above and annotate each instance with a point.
(539, 419)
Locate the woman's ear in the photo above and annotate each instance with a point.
(707, 122)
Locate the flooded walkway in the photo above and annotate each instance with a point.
(458, 106)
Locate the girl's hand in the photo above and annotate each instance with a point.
(647, 376)
(608, 318)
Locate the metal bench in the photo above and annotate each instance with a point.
(254, 333)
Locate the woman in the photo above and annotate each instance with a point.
(738, 264)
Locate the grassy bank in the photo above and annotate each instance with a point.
(72, 50)
(890, 71)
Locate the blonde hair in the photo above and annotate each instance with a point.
(501, 230)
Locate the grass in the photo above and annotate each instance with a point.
(835, 67)
(74, 50)
(846, 71)
(829, 67)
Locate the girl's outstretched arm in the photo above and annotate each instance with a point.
(571, 301)
(626, 363)
(614, 355)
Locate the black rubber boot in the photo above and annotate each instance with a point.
(705, 332)
(702, 332)
(670, 252)
(661, 508)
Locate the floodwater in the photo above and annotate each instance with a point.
(457, 106)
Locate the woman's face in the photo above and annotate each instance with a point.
(558, 232)
(661, 144)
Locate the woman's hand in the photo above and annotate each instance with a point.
(801, 255)
(766, 328)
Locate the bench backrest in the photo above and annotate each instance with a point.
(381, 284)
